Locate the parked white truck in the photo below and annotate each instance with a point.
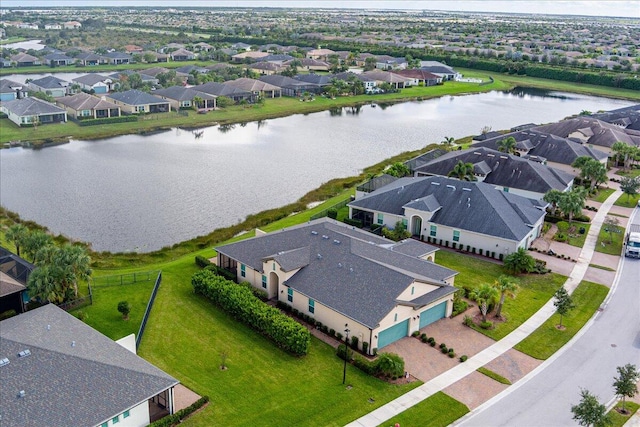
(632, 242)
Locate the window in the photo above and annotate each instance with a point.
(243, 270)
(432, 230)
(116, 419)
(105, 424)
(456, 235)
(290, 295)
(505, 189)
(380, 219)
(273, 267)
(413, 289)
(312, 305)
(395, 317)
(264, 281)
(126, 414)
(405, 224)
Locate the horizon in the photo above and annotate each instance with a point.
(614, 8)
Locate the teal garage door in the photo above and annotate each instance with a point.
(432, 314)
(393, 334)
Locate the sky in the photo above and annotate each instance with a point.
(629, 8)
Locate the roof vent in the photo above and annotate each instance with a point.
(466, 189)
(48, 327)
(324, 236)
(73, 343)
(319, 256)
(24, 353)
(314, 232)
(503, 157)
(350, 269)
(451, 187)
(435, 183)
(22, 393)
(336, 241)
(339, 265)
(4, 361)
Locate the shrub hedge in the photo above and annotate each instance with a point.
(386, 365)
(120, 119)
(242, 304)
(178, 417)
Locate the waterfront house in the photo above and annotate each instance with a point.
(266, 68)
(118, 58)
(249, 56)
(182, 55)
(291, 87)
(32, 111)
(25, 60)
(5, 63)
(84, 106)
(345, 277)
(87, 59)
(57, 370)
(506, 172)
(321, 54)
(470, 216)
(137, 102)
(10, 90)
(14, 275)
(440, 69)
(50, 85)
(256, 87)
(395, 80)
(420, 77)
(56, 59)
(97, 83)
(229, 91)
(181, 97)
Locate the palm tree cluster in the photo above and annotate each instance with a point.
(486, 294)
(591, 170)
(570, 203)
(58, 268)
(463, 172)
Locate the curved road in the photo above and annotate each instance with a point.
(611, 340)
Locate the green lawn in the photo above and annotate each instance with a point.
(627, 201)
(437, 411)
(493, 375)
(602, 195)
(547, 339)
(630, 173)
(535, 290)
(618, 420)
(577, 239)
(610, 243)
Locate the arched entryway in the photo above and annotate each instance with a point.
(274, 281)
(416, 226)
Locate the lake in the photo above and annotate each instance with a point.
(141, 193)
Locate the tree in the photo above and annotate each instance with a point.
(43, 284)
(448, 141)
(370, 63)
(149, 57)
(398, 169)
(626, 383)
(507, 287)
(484, 295)
(563, 303)
(17, 234)
(75, 259)
(630, 186)
(463, 172)
(34, 241)
(590, 412)
(519, 262)
(507, 145)
(611, 223)
(572, 202)
(591, 170)
(125, 309)
(553, 197)
(398, 233)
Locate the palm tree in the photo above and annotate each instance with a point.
(519, 261)
(463, 172)
(507, 287)
(553, 197)
(507, 145)
(17, 234)
(571, 203)
(484, 295)
(448, 141)
(75, 259)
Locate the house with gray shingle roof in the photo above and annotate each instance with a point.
(470, 216)
(90, 58)
(223, 89)
(256, 87)
(84, 106)
(546, 148)
(137, 102)
(291, 87)
(58, 59)
(50, 85)
(182, 97)
(14, 274)
(30, 111)
(10, 90)
(339, 275)
(94, 82)
(58, 370)
(506, 172)
(22, 59)
(118, 58)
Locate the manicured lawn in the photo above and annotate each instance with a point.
(601, 267)
(603, 194)
(607, 245)
(618, 420)
(547, 339)
(629, 173)
(437, 411)
(535, 290)
(494, 375)
(628, 201)
(186, 335)
(575, 238)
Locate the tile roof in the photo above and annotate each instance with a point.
(74, 376)
(351, 271)
(471, 206)
(31, 107)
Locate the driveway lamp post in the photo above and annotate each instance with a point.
(346, 353)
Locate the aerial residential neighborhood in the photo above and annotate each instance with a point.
(340, 215)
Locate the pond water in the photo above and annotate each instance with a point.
(26, 45)
(140, 193)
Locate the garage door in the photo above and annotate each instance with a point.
(432, 314)
(393, 333)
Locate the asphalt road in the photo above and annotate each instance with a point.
(612, 340)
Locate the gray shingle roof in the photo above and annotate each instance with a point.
(598, 132)
(471, 206)
(136, 97)
(319, 79)
(91, 79)
(181, 93)
(351, 271)
(80, 384)
(222, 89)
(413, 248)
(31, 107)
(9, 86)
(50, 82)
(84, 101)
(506, 170)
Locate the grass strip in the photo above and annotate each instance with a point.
(602, 267)
(603, 194)
(493, 375)
(438, 410)
(548, 339)
(627, 201)
(618, 419)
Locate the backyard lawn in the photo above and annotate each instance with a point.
(547, 339)
(535, 290)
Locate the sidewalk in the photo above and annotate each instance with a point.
(460, 371)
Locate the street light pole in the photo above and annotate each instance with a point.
(346, 353)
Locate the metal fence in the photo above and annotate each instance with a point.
(78, 302)
(125, 279)
(337, 206)
(143, 325)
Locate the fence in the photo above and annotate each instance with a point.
(337, 206)
(79, 302)
(125, 279)
(143, 325)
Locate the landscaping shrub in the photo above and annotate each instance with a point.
(415, 333)
(467, 321)
(451, 350)
(424, 339)
(339, 336)
(332, 213)
(354, 343)
(354, 222)
(563, 226)
(202, 262)
(120, 119)
(452, 354)
(375, 351)
(486, 325)
(444, 350)
(459, 305)
(182, 414)
(432, 341)
(389, 365)
(463, 358)
(443, 345)
(365, 347)
(363, 364)
(332, 332)
(242, 304)
(258, 293)
(229, 275)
